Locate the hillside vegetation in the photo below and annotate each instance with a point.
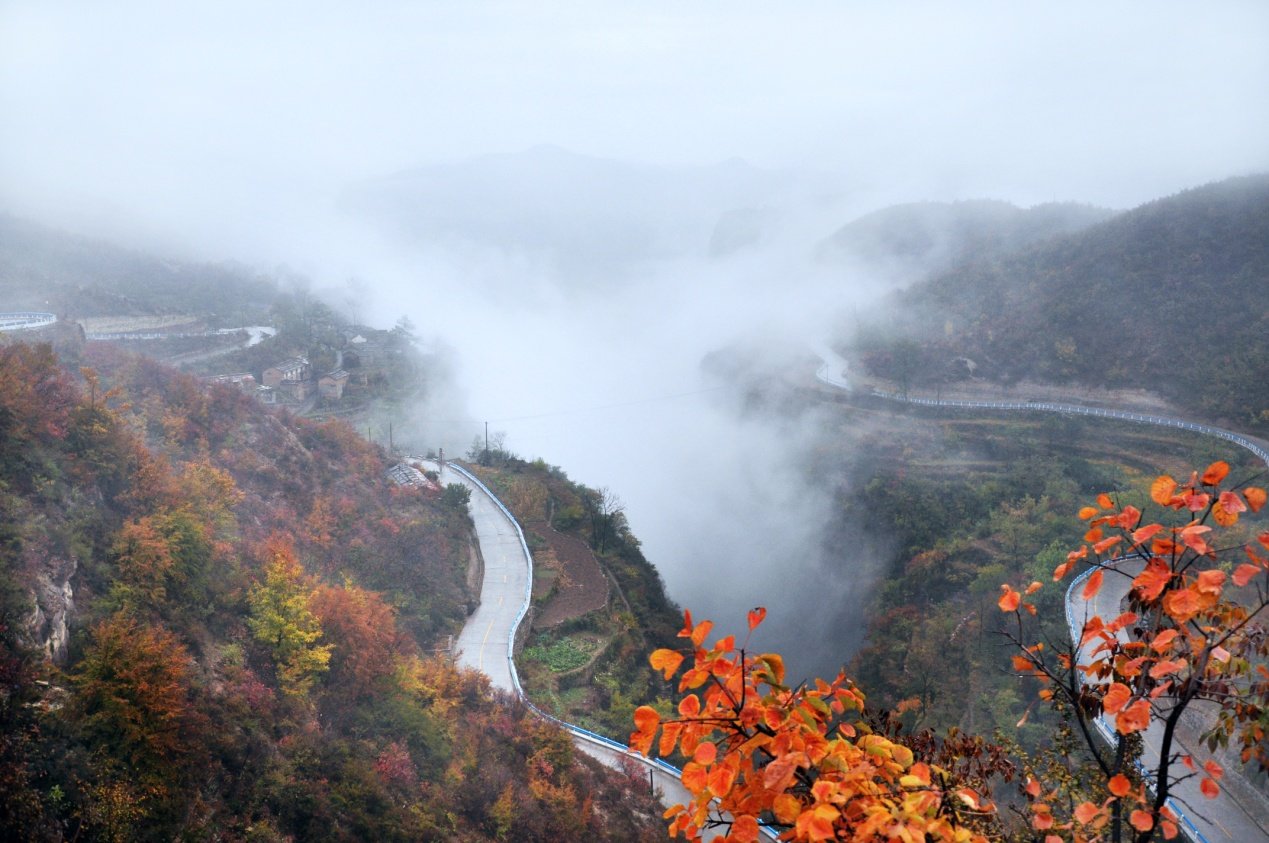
(1168, 297)
(234, 627)
(922, 237)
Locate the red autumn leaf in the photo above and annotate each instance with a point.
(1210, 788)
(666, 661)
(1210, 582)
(1134, 718)
(1106, 544)
(1161, 490)
(1151, 581)
(1144, 534)
(1244, 574)
(1104, 501)
(1141, 820)
(1256, 497)
(1213, 769)
(1192, 537)
(1163, 641)
(1182, 604)
(1165, 667)
(1088, 512)
(646, 718)
(744, 829)
(1116, 698)
(756, 616)
(705, 754)
(1119, 785)
(1086, 812)
(1009, 599)
(1093, 585)
(1216, 472)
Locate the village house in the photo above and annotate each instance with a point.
(331, 385)
(295, 369)
(290, 379)
(245, 381)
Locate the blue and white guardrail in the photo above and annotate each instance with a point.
(25, 320)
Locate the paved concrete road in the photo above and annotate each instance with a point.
(485, 642)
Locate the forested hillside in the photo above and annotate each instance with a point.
(922, 237)
(1170, 297)
(74, 276)
(218, 622)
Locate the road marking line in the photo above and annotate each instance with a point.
(480, 662)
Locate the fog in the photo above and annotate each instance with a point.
(582, 200)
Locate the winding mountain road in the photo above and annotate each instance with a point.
(486, 642)
(1240, 814)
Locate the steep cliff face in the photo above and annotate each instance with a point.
(53, 605)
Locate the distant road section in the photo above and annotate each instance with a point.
(26, 320)
(1226, 819)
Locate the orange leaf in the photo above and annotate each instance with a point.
(1009, 599)
(1256, 497)
(1134, 718)
(1144, 534)
(1086, 812)
(1104, 501)
(1210, 582)
(700, 631)
(1165, 667)
(1161, 490)
(690, 706)
(1244, 573)
(756, 615)
(1182, 604)
(1116, 698)
(1106, 544)
(1034, 587)
(705, 753)
(1163, 641)
(1213, 769)
(666, 661)
(1141, 820)
(721, 778)
(1210, 788)
(1032, 788)
(1093, 585)
(1088, 512)
(1216, 472)
(646, 718)
(744, 829)
(786, 808)
(1022, 664)
(1151, 582)
(1119, 785)
(695, 777)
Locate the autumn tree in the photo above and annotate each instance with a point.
(282, 619)
(134, 689)
(362, 631)
(802, 759)
(1187, 630)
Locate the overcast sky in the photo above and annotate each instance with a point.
(173, 115)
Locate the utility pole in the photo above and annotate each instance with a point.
(390, 446)
(486, 442)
